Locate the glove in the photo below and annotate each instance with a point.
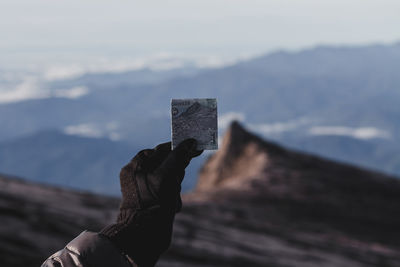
(150, 186)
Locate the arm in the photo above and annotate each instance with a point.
(150, 186)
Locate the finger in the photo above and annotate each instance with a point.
(163, 147)
(144, 154)
(194, 152)
(197, 153)
(150, 159)
(178, 159)
(182, 154)
(140, 160)
(159, 154)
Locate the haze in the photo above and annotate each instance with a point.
(44, 31)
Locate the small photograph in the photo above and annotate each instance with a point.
(195, 118)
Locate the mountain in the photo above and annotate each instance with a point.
(256, 204)
(105, 80)
(349, 86)
(71, 161)
(260, 204)
(325, 94)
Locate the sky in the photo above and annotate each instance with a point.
(41, 32)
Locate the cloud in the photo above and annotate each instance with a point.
(84, 129)
(279, 127)
(28, 88)
(57, 72)
(72, 93)
(157, 62)
(363, 133)
(17, 87)
(108, 130)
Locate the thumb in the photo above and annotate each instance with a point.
(179, 158)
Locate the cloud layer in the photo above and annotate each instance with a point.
(364, 133)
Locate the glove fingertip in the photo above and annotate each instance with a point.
(197, 153)
(163, 147)
(187, 144)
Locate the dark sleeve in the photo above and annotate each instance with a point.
(88, 249)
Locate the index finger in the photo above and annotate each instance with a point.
(160, 153)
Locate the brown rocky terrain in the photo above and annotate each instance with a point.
(37, 220)
(256, 204)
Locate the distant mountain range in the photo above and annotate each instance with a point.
(59, 159)
(340, 102)
(256, 204)
(71, 161)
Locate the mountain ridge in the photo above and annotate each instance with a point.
(240, 145)
(283, 96)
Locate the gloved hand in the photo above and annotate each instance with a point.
(150, 185)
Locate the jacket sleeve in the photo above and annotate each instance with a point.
(87, 250)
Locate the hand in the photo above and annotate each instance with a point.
(150, 185)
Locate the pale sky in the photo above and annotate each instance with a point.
(36, 31)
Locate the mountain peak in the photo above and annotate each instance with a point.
(241, 158)
(248, 166)
(237, 137)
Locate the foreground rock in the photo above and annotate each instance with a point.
(256, 204)
(37, 220)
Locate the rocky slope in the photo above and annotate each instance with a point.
(256, 204)
(37, 220)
